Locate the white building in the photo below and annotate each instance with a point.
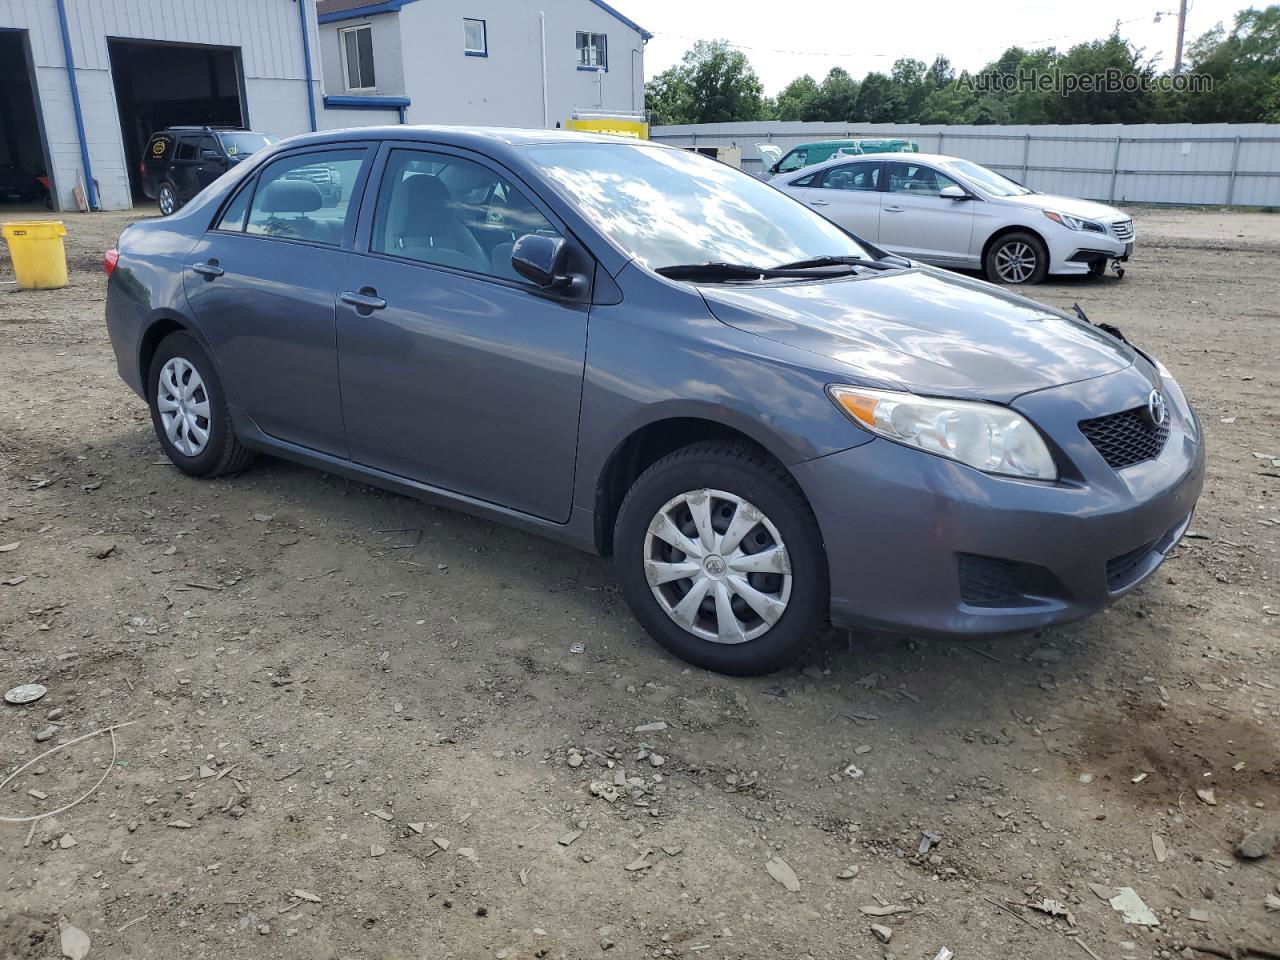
(527, 63)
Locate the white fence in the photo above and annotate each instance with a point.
(1221, 164)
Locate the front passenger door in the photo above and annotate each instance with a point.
(455, 371)
(916, 221)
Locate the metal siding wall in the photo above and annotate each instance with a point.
(1078, 160)
(265, 31)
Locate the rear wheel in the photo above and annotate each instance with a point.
(1017, 258)
(167, 199)
(721, 559)
(189, 411)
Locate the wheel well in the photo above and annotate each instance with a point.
(1004, 232)
(640, 451)
(150, 341)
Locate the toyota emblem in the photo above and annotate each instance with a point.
(1156, 408)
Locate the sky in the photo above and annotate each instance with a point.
(784, 40)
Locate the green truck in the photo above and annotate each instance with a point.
(807, 154)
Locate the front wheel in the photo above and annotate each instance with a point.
(721, 559)
(1017, 258)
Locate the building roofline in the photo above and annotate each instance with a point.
(365, 10)
(644, 34)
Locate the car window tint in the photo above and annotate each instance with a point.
(306, 196)
(232, 218)
(186, 149)
(915, 179)
(452, 212)
(852, 176)
(806, 181)
(793, 161)
(207, 143)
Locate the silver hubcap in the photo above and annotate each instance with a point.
(183, 403)
(717, 565)
(1015, 262)
(166, 201)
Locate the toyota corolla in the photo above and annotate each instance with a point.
(770, 424)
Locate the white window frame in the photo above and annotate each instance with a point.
(483, 49)
(346, 70)
(591, 36)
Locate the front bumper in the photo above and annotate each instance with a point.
(1071, 251)
(902, 528)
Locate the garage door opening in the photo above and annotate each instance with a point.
(23, 165)
(162, 85)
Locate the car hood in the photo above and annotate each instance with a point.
(925, 330)
(1085, 209)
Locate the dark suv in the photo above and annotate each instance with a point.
(179, 162)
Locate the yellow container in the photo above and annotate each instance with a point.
(39, 259)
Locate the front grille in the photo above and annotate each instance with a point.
(988, 581)
(1126, 438)
(1123, 230)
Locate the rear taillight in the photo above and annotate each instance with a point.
(142, 168)
(109, 261)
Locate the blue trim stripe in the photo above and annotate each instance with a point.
(368, 10)
(366, 103)
(91, 189)
(645, 34)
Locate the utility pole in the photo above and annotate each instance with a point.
(1182, 30)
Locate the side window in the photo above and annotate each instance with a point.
(793, 160)
(159, 147)
(915, 179)
(206, 143)
(852, 176)
(452, 212)
(306, 196)
(186, 149)
(232, 218)
(805, 181)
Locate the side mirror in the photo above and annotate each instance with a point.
(540, 260)
(953, 193)
(213, 155)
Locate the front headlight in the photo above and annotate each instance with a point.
(1074, 223)
(986, 436)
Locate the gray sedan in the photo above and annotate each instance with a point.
(771, 424)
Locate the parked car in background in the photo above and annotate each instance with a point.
(179, 162)
(768, 423)
(807, 154)
(955, 213)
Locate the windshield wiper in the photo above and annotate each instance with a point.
(835, 261)
(718, 271)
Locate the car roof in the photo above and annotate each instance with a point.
(465, 135)
(937, 158)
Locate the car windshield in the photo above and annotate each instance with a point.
(243, 144)
(990, 181)
(667, 207)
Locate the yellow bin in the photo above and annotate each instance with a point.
(39, 259)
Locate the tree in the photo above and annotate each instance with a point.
(1244, 66)
(713, 84)
(1099, 58)
(837, 97)
(796, 101)
(877, 100)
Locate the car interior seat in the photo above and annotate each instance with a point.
(424, 225)
(287, 204)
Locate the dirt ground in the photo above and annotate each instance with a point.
(358, 729)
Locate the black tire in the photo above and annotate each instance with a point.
(1013, 244)
(746, 472)
(223, 453)
(167, 196)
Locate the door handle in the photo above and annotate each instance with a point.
(893, 209)
(366, 299)
(210, 270)
(819, 203)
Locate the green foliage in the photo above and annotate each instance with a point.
(715, 82)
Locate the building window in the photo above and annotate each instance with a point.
(592, 51)
(475, 38)
(357, 58)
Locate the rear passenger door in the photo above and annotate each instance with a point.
(182, 168)
(262, 284)
(848, 193)
(456, 372)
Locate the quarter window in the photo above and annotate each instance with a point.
(233, 217)
(357, 57)
(451, 212)
(592, 50)
(475, 38)
(305, 197)
(915, 179)
(852, 176)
